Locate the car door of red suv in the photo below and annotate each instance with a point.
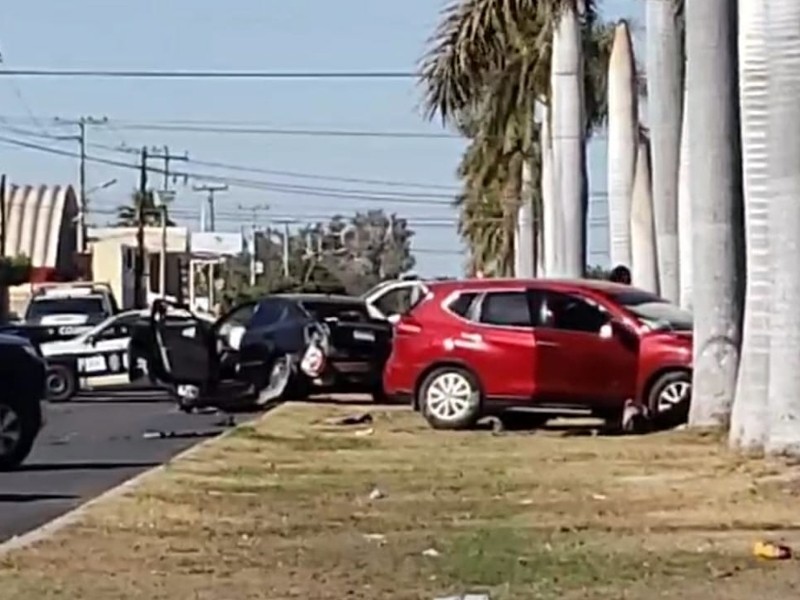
(498, 344)
(580, 358)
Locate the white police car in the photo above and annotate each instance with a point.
(95, 358)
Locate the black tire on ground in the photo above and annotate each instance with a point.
(464, 385)
(521, 421)
(62, 383)
(670, 383)
(19, 426)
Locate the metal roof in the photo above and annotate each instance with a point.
(40, 224)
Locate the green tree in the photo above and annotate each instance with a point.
(126, 215)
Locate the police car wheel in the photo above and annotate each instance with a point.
(61, 383)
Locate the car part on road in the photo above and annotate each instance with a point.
(61, 383)
(450, 398)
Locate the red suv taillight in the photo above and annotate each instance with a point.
(408, 325)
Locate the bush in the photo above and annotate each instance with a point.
(14, 270)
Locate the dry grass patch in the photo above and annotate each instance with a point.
(282, 509)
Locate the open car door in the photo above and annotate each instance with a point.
(225, 364)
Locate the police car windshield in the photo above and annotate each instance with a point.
(45, 307)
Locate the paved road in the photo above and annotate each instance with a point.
(89, 446)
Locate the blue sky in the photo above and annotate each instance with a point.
(240, 35)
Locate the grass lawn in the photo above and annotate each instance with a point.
(287, 509)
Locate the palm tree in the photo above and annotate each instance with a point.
(623, 141)
(490, 201)
(749, 417)
(665, 103)
(495, 54)
(717, 206)
(685, 214)
(644, 264)
(127, 215)
(783, 151)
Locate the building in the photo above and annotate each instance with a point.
(41, 224)
(113, 259)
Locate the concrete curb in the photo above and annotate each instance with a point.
(73, 516)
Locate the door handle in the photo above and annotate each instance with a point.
(473, 337)
(548, 344)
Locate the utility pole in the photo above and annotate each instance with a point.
(164, 154)
(286, 223)
(81, 123)
(253, 232)
(139, 266)
(3, 213)
(211, 189)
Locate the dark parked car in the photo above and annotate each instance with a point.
(283, 346)
(22, 380)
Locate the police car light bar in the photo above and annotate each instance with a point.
(63, 290)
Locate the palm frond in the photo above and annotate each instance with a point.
(470, 43)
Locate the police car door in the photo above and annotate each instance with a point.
(106, 353)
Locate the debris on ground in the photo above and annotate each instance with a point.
(771, 551)
(191, 433)
(362, 419)
(375, 537)
(365, 432)
(228, 421)
(431, 553)
(599, 497)
(376, 494)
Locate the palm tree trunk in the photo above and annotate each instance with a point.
(685, 215)
(568, 137)
(524, 250)
(644, 268)
(783, 39)
(749, 419)
(623, 140)
(552, 222)
(717, 207)
(665, 99)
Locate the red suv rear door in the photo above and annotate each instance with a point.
(580, 359)
(497, 342)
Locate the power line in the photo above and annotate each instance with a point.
(233, 130)
(191, 74)
(238, 182)
(279, 173)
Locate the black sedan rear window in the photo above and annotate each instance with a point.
(345, 311)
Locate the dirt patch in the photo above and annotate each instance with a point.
(294, 508)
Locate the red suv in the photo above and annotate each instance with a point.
(539, 348)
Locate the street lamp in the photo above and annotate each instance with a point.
(102, 186)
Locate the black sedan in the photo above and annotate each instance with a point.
(284, 346)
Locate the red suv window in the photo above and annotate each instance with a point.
(509, 309)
